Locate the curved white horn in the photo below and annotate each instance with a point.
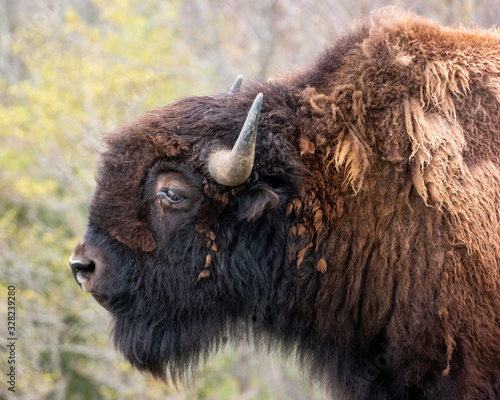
(233, 167)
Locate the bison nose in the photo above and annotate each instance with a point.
(82, 271)
(82, 266)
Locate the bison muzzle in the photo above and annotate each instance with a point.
(349, 213)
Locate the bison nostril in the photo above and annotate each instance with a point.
(82, 270)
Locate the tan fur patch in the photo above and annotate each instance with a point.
(443, 80)
(450, 345)
(437, 145)
(403, 59)
(321, 266)
(443, 180)
(306, 147)
(493, 84)
(208, 260)
(204, 274)
(350, 154)
(302, 253)
(351, 150)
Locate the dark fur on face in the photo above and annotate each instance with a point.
(367, 236)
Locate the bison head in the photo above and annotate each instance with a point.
(363, 216)
(187, 227)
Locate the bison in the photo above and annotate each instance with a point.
(348, 213)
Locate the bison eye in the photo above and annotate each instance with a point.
(176, 192)
(170, 197)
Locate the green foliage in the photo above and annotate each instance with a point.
(84, 76)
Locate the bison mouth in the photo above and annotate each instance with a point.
(102, 299)
(83, 276)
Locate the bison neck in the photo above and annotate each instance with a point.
(356, 264)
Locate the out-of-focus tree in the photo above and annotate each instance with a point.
(261, 38)
(73, 69)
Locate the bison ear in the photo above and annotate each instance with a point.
(261, 198)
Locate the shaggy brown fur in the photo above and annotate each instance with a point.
(392, 143)
(428, 202)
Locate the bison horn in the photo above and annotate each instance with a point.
(233, 167)
(236, 85)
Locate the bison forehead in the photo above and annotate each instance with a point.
(117, 206)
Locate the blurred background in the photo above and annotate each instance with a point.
(71, 70)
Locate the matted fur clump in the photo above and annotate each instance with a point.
(367, 236)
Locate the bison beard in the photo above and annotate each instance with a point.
(172, 332)
(366, 235)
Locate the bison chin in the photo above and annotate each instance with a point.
(176, 344)
(167, 332)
